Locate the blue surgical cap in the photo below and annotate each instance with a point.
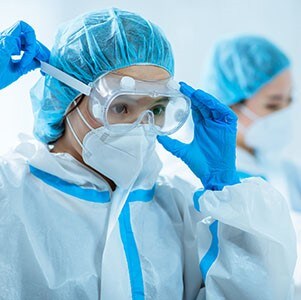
(240, 66)
(88, 47)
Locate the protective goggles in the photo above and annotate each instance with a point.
(119, 99)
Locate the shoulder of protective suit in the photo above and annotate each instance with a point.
(13, 172)
(176, 183)
(175, 195)
(14, 164)
(13, 167)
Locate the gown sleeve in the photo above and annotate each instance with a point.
(246, 242)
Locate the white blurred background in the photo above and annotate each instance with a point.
(191, 26)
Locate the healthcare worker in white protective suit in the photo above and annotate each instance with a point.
(84, 214)
(253, 76)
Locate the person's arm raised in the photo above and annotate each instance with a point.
(20, 39)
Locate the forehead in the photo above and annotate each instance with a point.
(281, 85)
(144, 72)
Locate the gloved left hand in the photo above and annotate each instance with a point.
(211, 154)
(20, 37)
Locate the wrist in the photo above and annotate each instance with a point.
(217, 180)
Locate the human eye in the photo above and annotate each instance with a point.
(119, 108)
(272, 107)
(158, 110)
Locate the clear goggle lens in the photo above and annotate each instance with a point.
(167, 114)
(117, 99)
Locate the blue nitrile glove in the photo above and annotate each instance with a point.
(211, 154)
(20, 37)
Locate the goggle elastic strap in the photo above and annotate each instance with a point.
(66, 78)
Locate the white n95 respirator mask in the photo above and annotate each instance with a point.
(119, 155)
(269, 134)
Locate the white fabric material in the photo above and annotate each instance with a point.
(175, 166)
(54, 241)
(268, 169)
(291, 165)
(283, 174)
(245, 162)
(271, 133)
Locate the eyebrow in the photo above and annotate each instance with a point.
(277, 97)
(163, 99)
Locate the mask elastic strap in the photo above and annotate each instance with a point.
(73, 132)
(248, 113)
(241, 128)
(83, 119)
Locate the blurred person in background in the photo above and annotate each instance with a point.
(253, 76)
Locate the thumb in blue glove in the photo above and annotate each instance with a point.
(211, 154)
(13, 41)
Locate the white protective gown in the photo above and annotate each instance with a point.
(169, 242)
(283, 176)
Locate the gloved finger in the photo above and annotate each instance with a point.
(23, 31)
(42, 52)
(10, 45)
(214, 108)
(205, 99)
(31, 66)
(186, 89)
(13, 31)
(174, 146)
(207, 105)
(195, 104)
(28, 43)
(20, 36)
(200, 101)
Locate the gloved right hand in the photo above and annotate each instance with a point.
(20, 37)
(211, 154)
